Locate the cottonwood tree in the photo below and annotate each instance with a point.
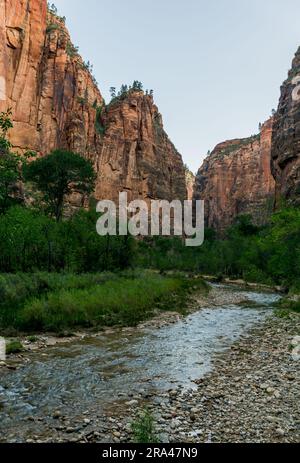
(57, 175)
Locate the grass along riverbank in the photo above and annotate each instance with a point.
(54, 303)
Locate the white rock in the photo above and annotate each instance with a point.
(131, 403)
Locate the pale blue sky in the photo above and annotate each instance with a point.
(216, 66)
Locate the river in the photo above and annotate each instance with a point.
(87, 377)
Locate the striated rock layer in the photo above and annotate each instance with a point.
(56, 103)
(236, 179)
(286, 138)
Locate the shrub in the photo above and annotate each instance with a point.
(287, 305)
(143, 429)
(71, 50)
(14, 347)
(52, 27)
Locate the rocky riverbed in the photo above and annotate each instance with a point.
(252, 394)
(239, 381)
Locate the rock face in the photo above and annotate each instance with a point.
(190, 184)
(286, 138)
(47, 85)
(56, 103)
(236, 179)
(137, 155)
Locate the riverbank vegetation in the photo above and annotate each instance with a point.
(144, 430)
(268, 255)
(287, 306)
(55, 303)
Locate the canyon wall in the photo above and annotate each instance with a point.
(190, 184)
(286, 138)
(47, 85)
(56, 103)
(236, 179)
(137, 155)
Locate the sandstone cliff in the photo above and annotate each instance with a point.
(190, 183)
(286, 138)
(236, 179)
(56, 104)
(47, 84)
(137, 155)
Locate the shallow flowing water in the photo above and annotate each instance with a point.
(100, 372)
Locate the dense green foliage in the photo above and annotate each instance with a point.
(10, 166)
(30, 241)
(59, 302)
(9, 177)
(269, 254)
(16, 289)
(58, 175)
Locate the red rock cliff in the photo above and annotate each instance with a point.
(47, 85)
(236, 179)
(190, 183)
(57, 104)
(137, 155)
(286, 138)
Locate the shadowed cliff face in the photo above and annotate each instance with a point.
(286, 138)
(57, 104)
(236, 179)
